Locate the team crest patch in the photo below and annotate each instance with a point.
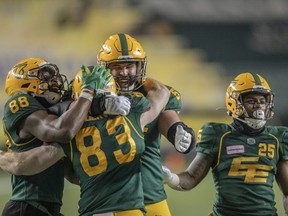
(251, 141)
(235, 149)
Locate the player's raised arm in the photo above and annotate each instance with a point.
(158, 95)
(62, 129)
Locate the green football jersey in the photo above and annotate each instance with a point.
(151, 168)
(244, 167)
(106, 155)
(46, 186)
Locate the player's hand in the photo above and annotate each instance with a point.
(117, 105)
(167, 175)
(182, 139)
(171, 179)
(97, 79)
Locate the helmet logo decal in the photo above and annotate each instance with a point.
(251, 141)
(18, 70)
(106, 48)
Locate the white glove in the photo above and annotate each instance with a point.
(171, 179)
(167, 174)
(117, 105)
(182, 139)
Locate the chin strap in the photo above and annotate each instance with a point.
(257, 122)
(241, 126)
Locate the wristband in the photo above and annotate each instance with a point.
(174, 182)
(88, 91)
(87, 95)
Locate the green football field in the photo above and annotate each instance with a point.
(197, 202)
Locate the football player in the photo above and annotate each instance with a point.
(38, 159)
(244, 156)
(33, 85)
(127, 60)
(106, 153)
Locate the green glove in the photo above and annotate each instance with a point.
(97, 79)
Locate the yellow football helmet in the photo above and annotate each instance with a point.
(124, 48)
(243, 84)
(37, 77)
(77, 84)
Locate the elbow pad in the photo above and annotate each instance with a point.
(182, 137)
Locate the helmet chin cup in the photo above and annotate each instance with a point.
(255, 123)
(52, 97)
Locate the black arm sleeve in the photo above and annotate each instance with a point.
(98, 106)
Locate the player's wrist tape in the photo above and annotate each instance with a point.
(87, 95)
(172, 132)
(88, 90)
(174, 182)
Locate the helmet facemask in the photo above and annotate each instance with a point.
(129, 83)
(260, 116)
(122, 48)
(52, 84)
